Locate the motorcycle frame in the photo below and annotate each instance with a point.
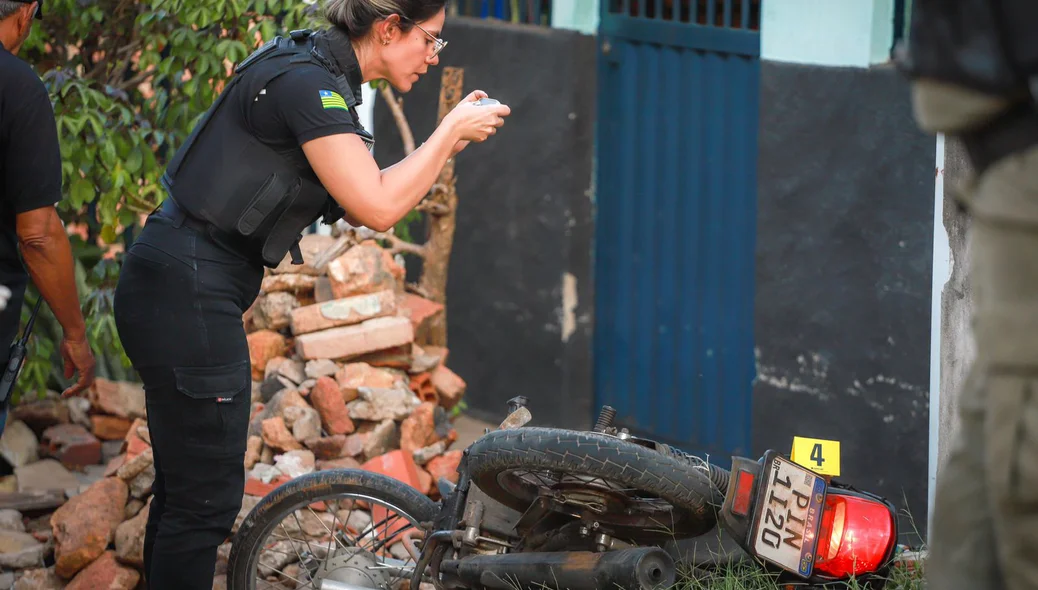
(447, 527)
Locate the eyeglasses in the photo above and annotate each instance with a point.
(438, 44)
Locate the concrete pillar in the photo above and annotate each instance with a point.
(577, 15)
(952, 347)
(854, 33)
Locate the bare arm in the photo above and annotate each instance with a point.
(378, 198)
(48, 256)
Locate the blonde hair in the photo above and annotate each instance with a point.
(356, 17)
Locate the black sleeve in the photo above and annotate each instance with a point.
(301, 105)
(32, 155)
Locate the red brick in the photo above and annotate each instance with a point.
(350, 341)
(396, 464)
(420, 311)
(449, 386)
(85, 525)
(135, 446)
(72, 445)
(343, 312)
(327, 400)
(113, 466)
(365, 268)
(425, 481)
(441, 351)
(340, 463)
(446, 466)
(422, 385)
(263, 346)
(105, 574)
(110, 427)
(398, 357)
(353, 376)
(118, 398)
(277, 436)
(255, 487)
(327, 448)
(400, 466)
(418, 430)
(295, 283)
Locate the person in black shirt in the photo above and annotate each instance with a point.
(31, 233)
(282, 141)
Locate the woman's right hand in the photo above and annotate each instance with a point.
(473, 122)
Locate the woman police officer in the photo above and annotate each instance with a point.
(281, 147)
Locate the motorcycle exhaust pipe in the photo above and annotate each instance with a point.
(641, 568)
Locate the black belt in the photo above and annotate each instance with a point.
(1012, 132)
(180, 217)
(169, 208)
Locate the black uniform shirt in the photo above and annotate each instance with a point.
(300, 105)
(30, 158)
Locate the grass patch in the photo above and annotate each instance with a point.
(745, 576)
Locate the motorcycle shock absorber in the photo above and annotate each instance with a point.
(605, 418)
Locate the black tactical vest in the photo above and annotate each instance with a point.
(243, 188)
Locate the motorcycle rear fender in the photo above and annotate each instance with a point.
(736, 515)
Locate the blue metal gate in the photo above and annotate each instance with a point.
(676, 219)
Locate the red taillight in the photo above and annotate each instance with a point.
(855, 537)
(743, 491)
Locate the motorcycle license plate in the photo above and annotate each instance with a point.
(786, 529)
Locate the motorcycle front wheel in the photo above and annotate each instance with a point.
(334, 528)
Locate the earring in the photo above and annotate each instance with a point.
(385, 41)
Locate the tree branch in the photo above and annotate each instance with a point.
(397, 108)
(397, 245)
(134, 81)
(338, 248)
(432, 208)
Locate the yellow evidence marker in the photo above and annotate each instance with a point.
(820, 456)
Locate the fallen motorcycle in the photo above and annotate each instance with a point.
(552, 508)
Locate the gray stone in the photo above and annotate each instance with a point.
(19, 444)
(384, 438)
(11, 520)
(20, 550)
(377, 404)
(45, 475)
(318, 368)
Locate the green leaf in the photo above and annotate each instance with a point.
(82, 191)
(108, 234)
(108, 153)
(134, 161)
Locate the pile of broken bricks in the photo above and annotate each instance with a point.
(341, 379)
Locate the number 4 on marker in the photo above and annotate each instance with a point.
(820, 456)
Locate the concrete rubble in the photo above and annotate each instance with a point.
(339, 381)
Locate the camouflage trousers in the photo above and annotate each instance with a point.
(984, 532)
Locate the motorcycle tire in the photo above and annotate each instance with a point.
(307, 489)
(688, 490)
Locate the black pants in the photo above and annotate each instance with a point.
(178, 309)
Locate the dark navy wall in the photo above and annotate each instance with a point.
(519, 294)
(844, 262)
